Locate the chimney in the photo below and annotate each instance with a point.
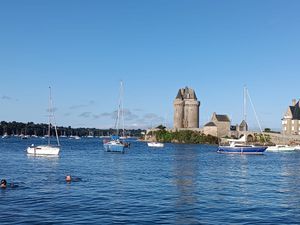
(294, 102)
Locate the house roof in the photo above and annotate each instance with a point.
(243, 124)
(210, 124)
(222, 118)
(295, 110)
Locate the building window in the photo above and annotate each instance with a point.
(285, 128)
(293, 128)
(293, 121)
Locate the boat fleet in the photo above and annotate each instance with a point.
(115, 143)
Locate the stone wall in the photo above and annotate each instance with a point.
(211, 130)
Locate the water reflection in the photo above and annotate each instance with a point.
(36, 156)
(185, 179)
(290, 180)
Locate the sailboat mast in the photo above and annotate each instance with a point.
(245, 111)
(49, 110)
(52, 116)
(122, 107)
(245, 104)
(256, 117)
(119, 110)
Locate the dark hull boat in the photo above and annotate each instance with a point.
(247, 149)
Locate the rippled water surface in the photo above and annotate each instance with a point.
(179, 184)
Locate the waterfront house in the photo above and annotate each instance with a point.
(291, 119)
(222, 123)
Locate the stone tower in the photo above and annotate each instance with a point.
(186, 109)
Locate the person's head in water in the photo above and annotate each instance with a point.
(3, 183)
(68, 178)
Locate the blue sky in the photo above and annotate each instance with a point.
(84, 48)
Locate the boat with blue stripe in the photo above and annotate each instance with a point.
(239, 146)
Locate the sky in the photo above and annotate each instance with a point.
(83, 49)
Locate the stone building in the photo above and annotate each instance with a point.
(211, 129)
(291, 119)
(222, 123)
(186, 109)
(243, 126)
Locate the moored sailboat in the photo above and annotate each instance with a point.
(115, 144)
(240, 146)
(47, 149)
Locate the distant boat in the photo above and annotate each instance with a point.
(76, 137)
(279, 148)
(5, 136)
(115, 144)
(24, 136)
(64, 135)
(155, 144)
(91, 135)
(47, 149)
(239, 146)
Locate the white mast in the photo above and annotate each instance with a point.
(49, 109)
(51, 116)
(245, 103)
(245, 112)
(256, 117)
(120, 107)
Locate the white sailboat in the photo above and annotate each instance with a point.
(47, 149)
(115, 144)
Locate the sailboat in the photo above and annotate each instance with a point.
(240, 146)
(47, 149)
(115, 144)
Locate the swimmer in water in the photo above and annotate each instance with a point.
(68, 178)
(3, 183)
(74, 179)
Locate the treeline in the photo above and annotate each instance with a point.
(184, 136)
(41, 129)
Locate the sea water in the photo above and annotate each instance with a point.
(177, 184)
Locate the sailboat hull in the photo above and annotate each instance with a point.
(43, 150)
(113, 146)
(242, 150)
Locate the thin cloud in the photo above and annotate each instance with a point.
(82, 105)
(138, 110)
(106, 114)
(128, 115)
(85, 114)
(152, 116)
(7, 98)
